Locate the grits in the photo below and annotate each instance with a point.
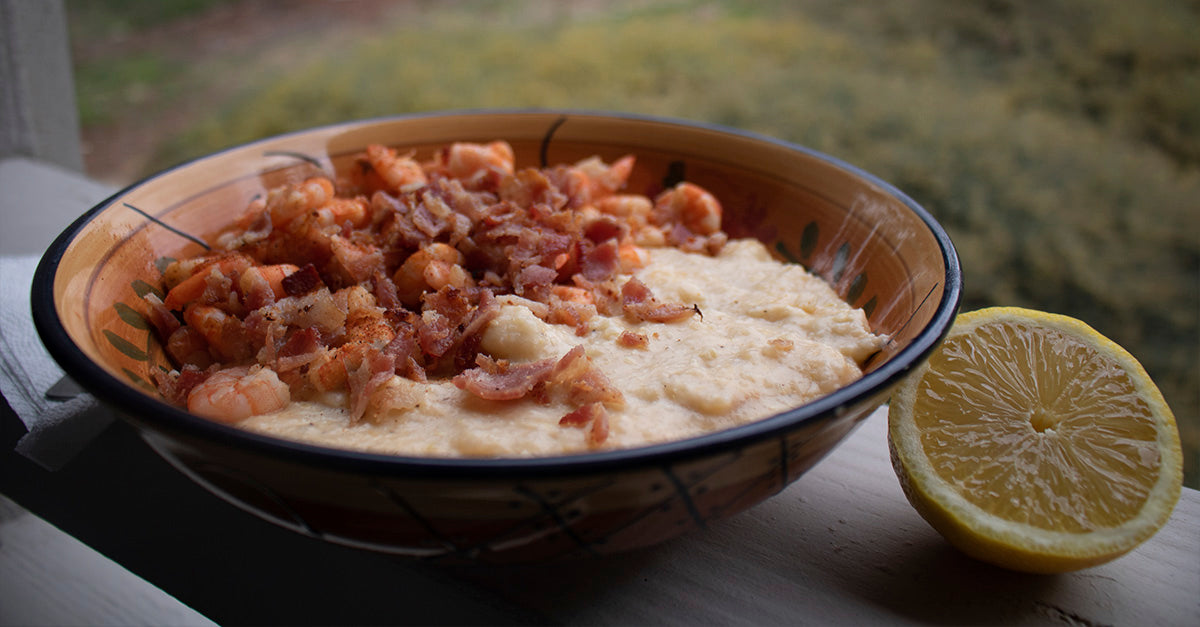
(767, 337)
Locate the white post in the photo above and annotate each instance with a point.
(39, 117)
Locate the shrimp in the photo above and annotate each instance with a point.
(572, 294)
(691, 206)
(636, 211)
(604, 179)
(632, 257)
(628, 206)
(434, 266)
(475, 165)
(263, 285)
(234, 394)
(289, 202)
(193, 287)
(353, 211)
(367, 333)
(399, 173)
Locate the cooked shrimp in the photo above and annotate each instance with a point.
(340, 211)
(625, 206)
(367, 332)
(432, 267)
(572, 294)
(263, 285)
(475, 164)
(632, 257)
(636, 211)
(604, 179)
(234, 394)
(286, 203)
(182, 269)
(399, 173)
(691, 206)
(192, 287)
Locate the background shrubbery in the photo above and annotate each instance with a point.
(1058, 141)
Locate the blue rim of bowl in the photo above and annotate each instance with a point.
(153, 415)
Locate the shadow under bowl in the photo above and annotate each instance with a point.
(880, 250)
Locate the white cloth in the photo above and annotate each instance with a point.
(57, 430)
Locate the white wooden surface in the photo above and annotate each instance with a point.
(842, 546)
(839, 546)
(49, 578)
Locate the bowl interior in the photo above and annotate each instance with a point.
(876, 247)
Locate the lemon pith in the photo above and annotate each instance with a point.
(1031, 441)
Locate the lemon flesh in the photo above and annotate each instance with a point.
(1032, 442)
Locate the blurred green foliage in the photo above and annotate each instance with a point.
(1058, 141)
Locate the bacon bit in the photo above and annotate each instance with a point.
(639, 303)
(385, 292)
(302, 281)
(533, 233)
(574, 315)
(534, 276)
(599, 433)
(435, 333)
(502, 381)
(605, 229)
(177, 384)
(406, 352)
(353, 261)
(601, 261)
(301, 347)
(372, 372)
(581, 417)
(583, 381)
(593, 415)
(629, 339)
(158, 315)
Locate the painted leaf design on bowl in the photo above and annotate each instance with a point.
(808, 244)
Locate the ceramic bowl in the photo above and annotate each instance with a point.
(878, 248)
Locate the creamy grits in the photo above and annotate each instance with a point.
(766, 337)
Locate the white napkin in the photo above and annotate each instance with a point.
(57, 430)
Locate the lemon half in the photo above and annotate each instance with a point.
(1032, 442)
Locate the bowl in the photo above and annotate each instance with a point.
(879, 249)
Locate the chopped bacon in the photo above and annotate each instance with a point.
(629, 339)
(571, 314)
(583, 381)
(408, 359)
(371, 373)
(605, 228)
(177, 384)
(302, 281)
(384, 289)
(580, 417)
(301, 347)
(639, 303)
(159, 316)
(435, 333)
(534, 276)
(599, 432)
(601, 261)
(502, 381)
(591, 415)
(353, 262)
(361, 309)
